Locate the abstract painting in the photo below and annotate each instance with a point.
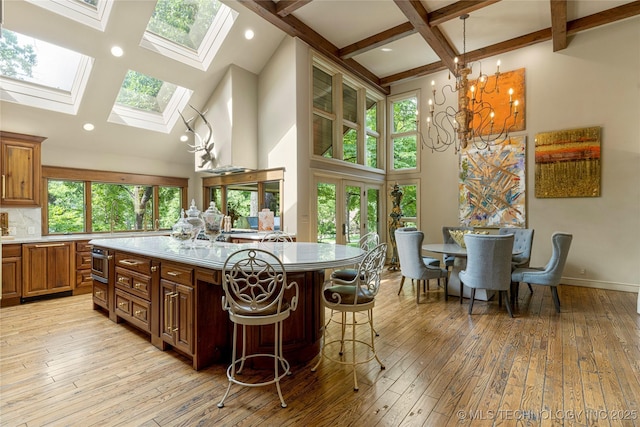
(492, 185)
(499, 99)
(568, 163)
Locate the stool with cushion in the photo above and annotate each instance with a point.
(366, 243)
(354, 296)
(254, 283)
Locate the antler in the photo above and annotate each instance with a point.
(203, 144)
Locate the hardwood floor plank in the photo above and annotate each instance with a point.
(63, 363)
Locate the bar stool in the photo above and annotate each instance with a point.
(254, 283)
(354, 296)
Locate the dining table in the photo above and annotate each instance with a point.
(459, 263)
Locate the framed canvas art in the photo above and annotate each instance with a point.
(568, 163)
(492, 185)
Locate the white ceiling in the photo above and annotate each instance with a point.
(341, 22)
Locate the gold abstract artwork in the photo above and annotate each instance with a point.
(568, 163)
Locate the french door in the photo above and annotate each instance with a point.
(346, 210)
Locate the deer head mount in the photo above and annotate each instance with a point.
(202, 144)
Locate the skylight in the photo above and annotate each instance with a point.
(93, 13)
(149, 103)
(188, 31)
(41, 74)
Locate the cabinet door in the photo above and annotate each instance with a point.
(166, 311)
(184, 318)
(47, 268)
(11, 279)
(20, 169)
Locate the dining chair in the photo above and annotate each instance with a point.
(488, 266)
(254, 282)
(354, 296)
(550, 274)
(277, 236)
(446, 238)
(522, 245)
(413, 265)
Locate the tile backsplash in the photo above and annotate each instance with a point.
(24, 222)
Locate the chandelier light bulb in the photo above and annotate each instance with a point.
(498, 66)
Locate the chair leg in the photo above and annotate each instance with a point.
(507, 302)
(353, 352)
(446, 288)
(471, 298)
(276, 360)
(231, 370)
(556, 299)
(343, 327)
(461, 289)
(530, 288)
(401, 283)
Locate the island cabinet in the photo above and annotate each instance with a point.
(136, 291)
(83, 282)
(11, 274)
(21, 169)
(47, 268)
(177, 306)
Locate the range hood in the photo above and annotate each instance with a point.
(232, 112)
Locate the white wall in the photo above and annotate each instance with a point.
(594, 82)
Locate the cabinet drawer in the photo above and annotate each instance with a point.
(100, 294)
(135, 310)
(133, 262)
(83, 246)
(83, 278)
(11, 251)
(83, 260)
(138, 284)
(177, 273)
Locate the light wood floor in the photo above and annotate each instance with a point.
(63, 363)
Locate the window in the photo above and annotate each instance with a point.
(404, 132)
(242, 195)
(83, 201)
(409, 204)
(346, 118)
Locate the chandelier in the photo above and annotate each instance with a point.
(474, 121)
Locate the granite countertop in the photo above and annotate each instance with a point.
(295, 256)
(7, 240)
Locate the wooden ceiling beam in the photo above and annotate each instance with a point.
(287, 7)
(605, 17)
(418, 16)
(291, 25)
(558, 24)
(377, 40)
(455, 10)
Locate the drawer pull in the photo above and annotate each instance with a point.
(121, 279)
(154, 268)
(173, 273)
(136, 285)
(122, 304)
(51, 245)
(129, 262)
(138, 312)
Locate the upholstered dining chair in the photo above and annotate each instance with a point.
(446, 238)
(413, 265)
(354, 296)
(254, 282)
(550, 274)
(522, 245)
(488, 266)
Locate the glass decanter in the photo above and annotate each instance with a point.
(212, 222)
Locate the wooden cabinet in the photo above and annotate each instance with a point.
(83, 283)
(11, 275)
(47, 268)
(177, 306)
(136, 291)
(21, 169)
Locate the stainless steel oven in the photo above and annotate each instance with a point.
(100, 264)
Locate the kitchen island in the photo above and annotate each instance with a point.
(172, 291)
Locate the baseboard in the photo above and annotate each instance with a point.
(599, 284)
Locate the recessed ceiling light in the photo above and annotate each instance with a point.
(88, 127)
(386, 49)
(249, 34)
(117, 51)
(184, 138)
